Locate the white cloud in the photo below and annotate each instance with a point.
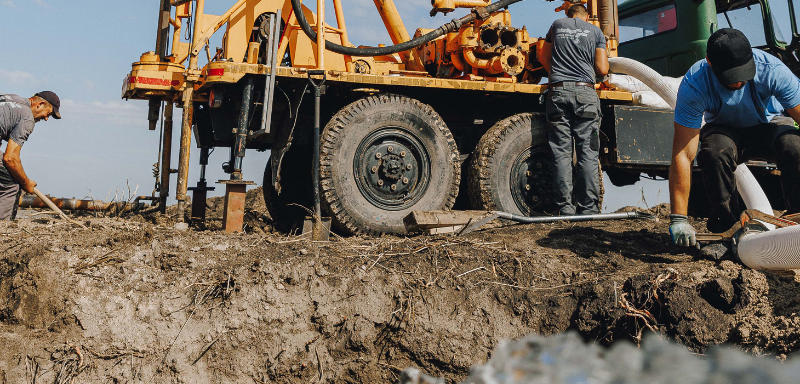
(18, 78)
(9, 3)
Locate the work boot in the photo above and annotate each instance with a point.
(567, 211)
(717, 251)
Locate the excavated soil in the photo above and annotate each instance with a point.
(133, 300)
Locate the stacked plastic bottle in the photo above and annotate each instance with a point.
(566, 359)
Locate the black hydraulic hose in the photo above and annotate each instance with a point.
(452, 26)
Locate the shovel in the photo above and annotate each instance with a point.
(55, 208)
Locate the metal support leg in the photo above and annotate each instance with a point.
(166, 155)
(235, 193)
(200, 192)
(319, 232)
(233, 218)
(240, 132)
(186, 142)
(235, 188)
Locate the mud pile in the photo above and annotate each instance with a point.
(132, 299)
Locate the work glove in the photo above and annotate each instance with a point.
(683, 234)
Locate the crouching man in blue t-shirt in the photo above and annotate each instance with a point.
(742, 93)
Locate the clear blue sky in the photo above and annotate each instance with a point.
(82, 50)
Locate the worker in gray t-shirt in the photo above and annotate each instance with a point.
(17, 117)
(573, 53)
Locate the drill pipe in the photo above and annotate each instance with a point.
(31, 201)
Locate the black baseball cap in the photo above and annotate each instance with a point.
(731, 56)
(53, 99)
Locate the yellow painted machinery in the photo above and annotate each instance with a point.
(400, 122)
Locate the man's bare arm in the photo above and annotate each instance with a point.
(13, 163)
(600, 62)
(545, 54)
(794, 113)
(684, 150)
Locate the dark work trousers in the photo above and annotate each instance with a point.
(722, 148)
(573, 114)
(9, 195)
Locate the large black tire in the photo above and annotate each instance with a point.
(379, 143)
(516, 145)
(288, 209)
(512, 168)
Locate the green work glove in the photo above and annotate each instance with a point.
(683, 234)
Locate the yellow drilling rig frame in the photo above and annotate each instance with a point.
(400, 122)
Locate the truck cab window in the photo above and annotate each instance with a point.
(648, 23)
(750, 21)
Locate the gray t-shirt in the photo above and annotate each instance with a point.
(574, 42)
(16, 118)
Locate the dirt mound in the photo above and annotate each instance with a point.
(136, 300)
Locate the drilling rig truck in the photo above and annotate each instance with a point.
(449, 117)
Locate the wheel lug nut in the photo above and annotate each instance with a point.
(527, 187)
(390, 149)
(538, 165)
(394, 187)
(402, 153)
(535, 198)
(380, 182)
(374, 169)
(529, 173)
(378, 155)
(405, 180)
(408, 167)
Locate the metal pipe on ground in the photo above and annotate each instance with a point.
(553, 219)
(31, 201)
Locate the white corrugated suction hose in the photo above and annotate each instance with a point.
(646, 75)
(752, 193)
(778, 249)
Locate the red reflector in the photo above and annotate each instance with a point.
(216, 72)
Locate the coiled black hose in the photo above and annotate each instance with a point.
(454, 25)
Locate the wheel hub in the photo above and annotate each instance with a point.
(532, 180)
(392, 168)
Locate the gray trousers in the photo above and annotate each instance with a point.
(9, 195)
(573, 114)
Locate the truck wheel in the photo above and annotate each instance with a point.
(287, 208)
(512, 169)
(381, 158)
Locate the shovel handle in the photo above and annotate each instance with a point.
(54, 207)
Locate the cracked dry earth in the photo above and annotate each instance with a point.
(132, 300)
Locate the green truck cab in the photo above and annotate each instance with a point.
(670, 35)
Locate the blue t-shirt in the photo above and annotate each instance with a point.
(773, 89)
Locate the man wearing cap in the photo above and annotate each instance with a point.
(17, 118)
(744, 95)
(573, 53)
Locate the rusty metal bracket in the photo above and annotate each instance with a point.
(235, 193)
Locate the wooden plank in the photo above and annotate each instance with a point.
(435, 219)
(443, 230)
